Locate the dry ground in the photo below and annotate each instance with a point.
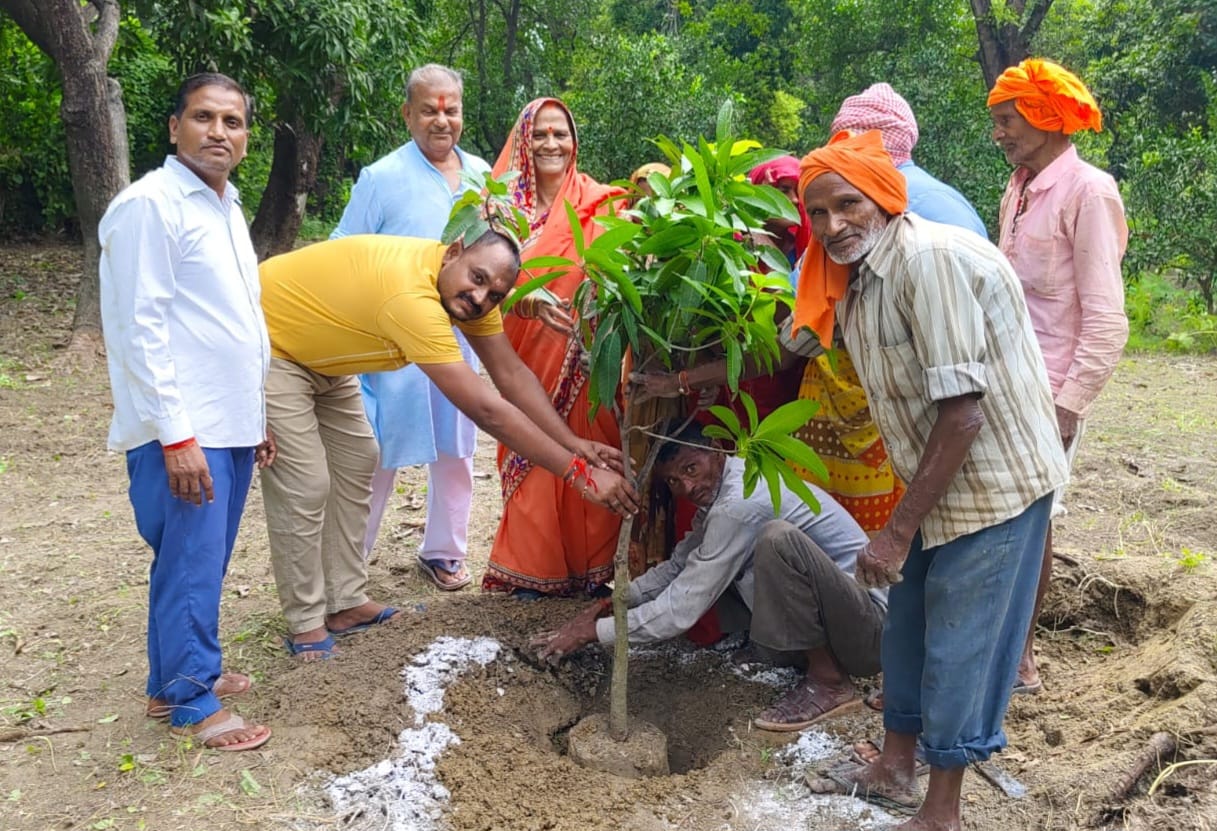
(1129, 641)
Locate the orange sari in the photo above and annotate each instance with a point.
(550, 539)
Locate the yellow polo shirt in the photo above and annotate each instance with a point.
(365, 303)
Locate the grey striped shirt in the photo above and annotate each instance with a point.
(934, 313)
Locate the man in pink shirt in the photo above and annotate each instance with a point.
(1063, 230)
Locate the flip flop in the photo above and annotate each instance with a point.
(238, 682)
(384, 614)
(324, 648)
(922, 766)
(231, 724)
(846, 786)
(1028, 689)
(819, 714)
(430, 569)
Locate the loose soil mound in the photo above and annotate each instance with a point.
(1128, 642)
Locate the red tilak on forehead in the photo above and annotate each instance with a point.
(549, 131)
(442, 103)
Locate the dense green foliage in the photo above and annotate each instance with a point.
(631, 69)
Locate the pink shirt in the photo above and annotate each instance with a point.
(1066, 244)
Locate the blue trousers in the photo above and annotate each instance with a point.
(191, 547)
(954, 631)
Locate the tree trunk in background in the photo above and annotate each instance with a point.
(293, 171)
(1004, 43)
(79, 39)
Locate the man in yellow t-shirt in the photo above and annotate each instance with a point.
(369, 304)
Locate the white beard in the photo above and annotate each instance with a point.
(859, 248)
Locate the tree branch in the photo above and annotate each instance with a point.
(106, 33)
(1038, 12)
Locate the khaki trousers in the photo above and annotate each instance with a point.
(318, 491)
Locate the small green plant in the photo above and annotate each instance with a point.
(1190, 560)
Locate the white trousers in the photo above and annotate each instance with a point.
(449, 497)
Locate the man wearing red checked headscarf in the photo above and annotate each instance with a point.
(934, 318)
(1063, 229)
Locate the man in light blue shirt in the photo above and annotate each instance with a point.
(879, 107)
(410, 192)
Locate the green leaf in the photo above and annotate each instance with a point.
(546, 262)
(750, 408)
(800, 454)
(728, 418)
(799, 487)
(614, 238)
(524, 289)
(606, 370)
(669, 241)
(576, 230)
(702, 178)
(722, 125)
(773, 478)
(714, 431)
(462, 220)
(249, 785)
(735, 362)
(787, 418)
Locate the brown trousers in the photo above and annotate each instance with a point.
(803, 601)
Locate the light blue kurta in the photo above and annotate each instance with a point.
(404, 195)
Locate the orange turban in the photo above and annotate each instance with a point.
(1049, 96)
(861, 161)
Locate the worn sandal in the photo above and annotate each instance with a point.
(229, 683)
(233, 724)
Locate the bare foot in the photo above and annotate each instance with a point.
(920, 823)
(1028, 672)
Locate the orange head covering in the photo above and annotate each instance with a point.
(1049, 96)
(861, 161)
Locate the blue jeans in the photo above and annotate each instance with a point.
(955, 629)
(191, 546)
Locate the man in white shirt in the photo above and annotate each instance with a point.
(188, 353)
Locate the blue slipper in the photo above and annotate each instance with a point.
(385, 613)
(323, 648)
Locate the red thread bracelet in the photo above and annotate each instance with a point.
(682, 382)
(180, 445)
(578, 468)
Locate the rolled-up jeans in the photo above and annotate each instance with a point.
(954, 631)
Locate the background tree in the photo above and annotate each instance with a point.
(322, 70)
(79, 38)
(1005, 32)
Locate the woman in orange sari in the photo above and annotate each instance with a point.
(549, 543)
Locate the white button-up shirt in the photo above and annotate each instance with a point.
(186, 343)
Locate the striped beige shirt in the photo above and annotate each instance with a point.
(934, 313)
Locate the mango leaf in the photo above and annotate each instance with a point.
(547, 261)
(735, 360)
(576, 230)
(614, 238)
(713, 431)
(526, 288)
(668, 241)
(607, 368)
(771, 470)
(661, 185)
(793, 450)
(703, 179)
(799, 487)
(750, 408)
(461, 221)
(787, 418)
(728, 418)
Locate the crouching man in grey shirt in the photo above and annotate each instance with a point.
(794, 574)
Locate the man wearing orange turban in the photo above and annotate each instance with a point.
(934, 319)
(1063, 230)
